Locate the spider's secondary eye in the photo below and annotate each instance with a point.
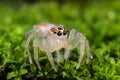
(59, 33)
(52, 29)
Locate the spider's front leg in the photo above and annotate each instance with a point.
(75, 38)
(73, 41)
(82, 48)
(35, 45)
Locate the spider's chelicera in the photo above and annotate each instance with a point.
(50, 38)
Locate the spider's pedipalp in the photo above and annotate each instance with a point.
(73, 39)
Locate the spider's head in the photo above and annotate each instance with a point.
(59, 32)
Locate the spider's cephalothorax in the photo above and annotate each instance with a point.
(50, 38)
(59, 32)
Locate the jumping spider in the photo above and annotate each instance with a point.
(50, 38)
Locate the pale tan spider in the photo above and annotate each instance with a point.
(50, 38)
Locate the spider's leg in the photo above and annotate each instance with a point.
(45, 45)
(36, 54)
(82, 48)
(59, 57)
(73, 41)
(66, 55)
(89, 55)
(75, 38)
(51, 60)
(27, 47)
(28, 32)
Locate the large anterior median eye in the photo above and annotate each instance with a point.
(59, 33)
(62, 31)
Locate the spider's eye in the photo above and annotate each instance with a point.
(59, 33)
(54, 30)
(65, 31)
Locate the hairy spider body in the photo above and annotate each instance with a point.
(50, 38)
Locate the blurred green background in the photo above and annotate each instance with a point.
(98, 20)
